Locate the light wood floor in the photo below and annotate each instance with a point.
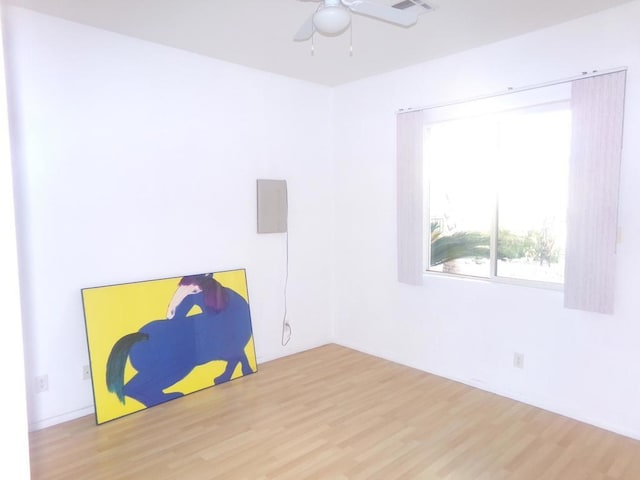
(332, 413)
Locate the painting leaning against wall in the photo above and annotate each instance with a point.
(153, 341)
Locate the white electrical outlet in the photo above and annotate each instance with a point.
(42, 383)
(86, 372)
(518, 360)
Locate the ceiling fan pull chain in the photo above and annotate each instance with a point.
(351, 39)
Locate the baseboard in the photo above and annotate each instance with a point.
(538, 402)
(62, 418)
(288, 350)
(68, 416)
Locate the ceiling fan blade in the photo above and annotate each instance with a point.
(383, 12)
(306, 31)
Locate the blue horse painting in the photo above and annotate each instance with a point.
(165, 351)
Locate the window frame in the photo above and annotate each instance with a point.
(556, 104)
(597, 105)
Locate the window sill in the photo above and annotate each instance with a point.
(517, 282)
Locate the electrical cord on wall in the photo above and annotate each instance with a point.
(286, 327)
(273, 217)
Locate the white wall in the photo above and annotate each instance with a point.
(583, 365)
(137, 161)
(15, 453)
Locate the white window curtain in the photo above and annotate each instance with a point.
(410, 128)
(597, 105)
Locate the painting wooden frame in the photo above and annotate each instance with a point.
(153, 341)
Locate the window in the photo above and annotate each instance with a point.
(497, 193)
(502, 201)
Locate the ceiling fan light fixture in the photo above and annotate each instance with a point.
(331, 20)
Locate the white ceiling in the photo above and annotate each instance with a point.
(258, 33)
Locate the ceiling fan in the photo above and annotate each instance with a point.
(332, 17)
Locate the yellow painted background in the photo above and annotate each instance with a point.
(116, 310)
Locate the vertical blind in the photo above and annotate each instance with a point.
(597, 108)
(410, 128)
(597, 104)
